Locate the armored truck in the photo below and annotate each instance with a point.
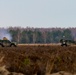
(7, 43)
(63, 42)
(67, 42)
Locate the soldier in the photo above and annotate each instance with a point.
(4, 38)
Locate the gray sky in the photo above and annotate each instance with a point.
(38, 13)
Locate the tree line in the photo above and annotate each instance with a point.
(40, 35)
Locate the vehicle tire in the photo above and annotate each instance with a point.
(66, 45)
(2, 45)
(62, 45)
(13, 45)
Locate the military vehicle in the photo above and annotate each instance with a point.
(7, 43)
(63, 42)
(67, 42)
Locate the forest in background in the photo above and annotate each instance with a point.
(39, 35)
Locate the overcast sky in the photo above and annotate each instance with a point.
(38, 13)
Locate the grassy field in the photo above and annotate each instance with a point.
(52, 44)
(39, 59)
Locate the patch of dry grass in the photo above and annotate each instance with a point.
(40, 60)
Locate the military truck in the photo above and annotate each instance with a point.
(67, 42)
(7, 43)
(63, 42)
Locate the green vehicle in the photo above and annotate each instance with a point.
(67, 42)
(7, 43)
(63, 42)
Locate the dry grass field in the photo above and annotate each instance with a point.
(38, 59)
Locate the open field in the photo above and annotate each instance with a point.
(38, 59)
(52, 44)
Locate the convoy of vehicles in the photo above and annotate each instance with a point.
(7, 43)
